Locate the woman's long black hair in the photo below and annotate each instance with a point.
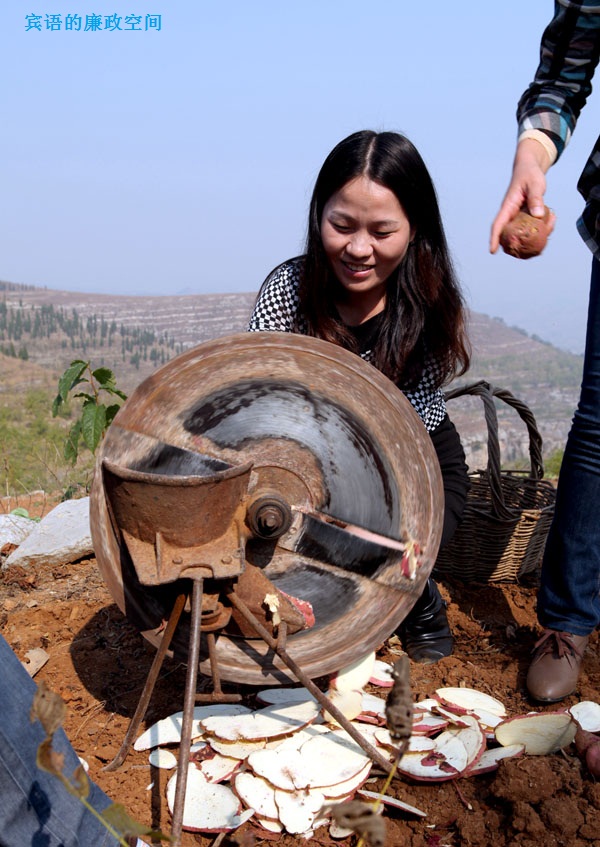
(424, 315)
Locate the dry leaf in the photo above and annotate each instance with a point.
(362, 819)
(48, 708)
(80, 784)
(398, 707)
(48, 760)
(118, 818)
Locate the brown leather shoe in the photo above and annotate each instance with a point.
(554, 669)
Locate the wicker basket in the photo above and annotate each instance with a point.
(508, 513)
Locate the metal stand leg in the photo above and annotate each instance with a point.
(142, 705)
(343, 721)
(190, 697)
(276, 644)
(188, 712)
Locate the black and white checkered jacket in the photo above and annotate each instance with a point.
(276, 310)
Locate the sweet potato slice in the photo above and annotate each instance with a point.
(541, 733)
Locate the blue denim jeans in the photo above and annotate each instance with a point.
(35, 808)
(569, 596)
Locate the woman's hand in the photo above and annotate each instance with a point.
(526, 189)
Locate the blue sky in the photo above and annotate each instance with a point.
(182, 160)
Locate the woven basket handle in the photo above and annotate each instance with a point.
(487, 393)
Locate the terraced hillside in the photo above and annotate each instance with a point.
(135, 335)
(544, 377)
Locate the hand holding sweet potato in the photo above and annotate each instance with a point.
(526, 236)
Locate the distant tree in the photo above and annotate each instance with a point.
(553, 462)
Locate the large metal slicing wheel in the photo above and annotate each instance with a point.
(274, 465)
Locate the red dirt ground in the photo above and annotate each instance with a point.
(98, 663)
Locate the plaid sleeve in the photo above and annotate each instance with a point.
(276, 306)
(427, 399)
(277, 310)
(569, 54)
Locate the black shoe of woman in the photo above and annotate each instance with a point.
(425, 632)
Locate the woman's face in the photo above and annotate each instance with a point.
(365, 234)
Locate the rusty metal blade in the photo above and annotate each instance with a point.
(326, 436)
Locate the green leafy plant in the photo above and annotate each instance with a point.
(20, 512)
(50, 710)
(96, 416)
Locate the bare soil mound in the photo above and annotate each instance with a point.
(98, 663)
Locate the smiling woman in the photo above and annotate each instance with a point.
(377, 278)
(365, 234)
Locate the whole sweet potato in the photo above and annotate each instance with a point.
(526, 236)
(588, 747)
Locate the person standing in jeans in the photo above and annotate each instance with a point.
(35, 807)
(568, 605)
